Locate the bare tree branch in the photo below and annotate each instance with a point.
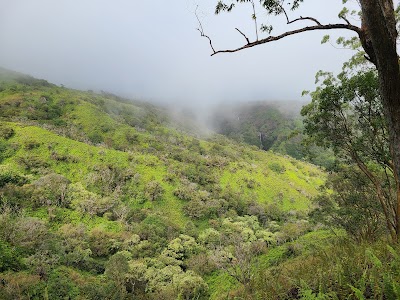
(201, 30)
(304, 18)
(289, 33)
(248, 41)
(345, 19)
(206, 36)
(298, 19)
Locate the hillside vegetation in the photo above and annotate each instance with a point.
(102, 198)
(106, 198)
(275, 126)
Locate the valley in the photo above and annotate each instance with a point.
(107, 198)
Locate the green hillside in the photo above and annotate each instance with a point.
(275, 126)
(260, 124)
(105, 198)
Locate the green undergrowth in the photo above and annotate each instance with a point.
(76, 160)
(272, 178)
(304, 246)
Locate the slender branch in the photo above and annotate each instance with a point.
(298, 19)
(248, 41)
(286, 15)
(255, 18)
(198, 20)
(305, 18)
(345, 19)
(378, 187)
(201, 30)
(206, 36)
(289, 33)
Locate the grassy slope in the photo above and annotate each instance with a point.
(73, 132)
(291, 186)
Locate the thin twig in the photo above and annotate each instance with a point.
(305, 18)
(345, 19)
(255, 18)
(298, 19)
(284, 11)
(247, 39)
(206, 36)
(201, 30)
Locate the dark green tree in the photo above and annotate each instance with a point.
(349, 202)
(60, 285)
(346, 115)
(117, 269)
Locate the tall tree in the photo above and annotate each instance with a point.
(346, 115)
(377, 33)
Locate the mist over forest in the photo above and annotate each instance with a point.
(200, 150)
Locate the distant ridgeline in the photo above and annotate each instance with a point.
(275, 126)
(259, 124)
(104, 198)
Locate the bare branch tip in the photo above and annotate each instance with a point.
(346, 20)
(247, 39)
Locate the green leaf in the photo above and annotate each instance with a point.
(325, 39)
(357, 292)
(373, 258)
(393, 252)
(343, 12)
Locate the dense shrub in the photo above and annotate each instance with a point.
(29, 233)
(6, 150)
(10, 176)
(61, 286)
(186, 190)
(96, 138)
(21, 285)
(154, 191)
(6, 132)
(277, 167)
(10, 259)
(103, 243)
(33, 163)
(51, 189)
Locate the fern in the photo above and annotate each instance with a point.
(358, 293)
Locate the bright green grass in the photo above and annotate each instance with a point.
(86, 157)
(220, 284)
(290, 189)
(66, 216)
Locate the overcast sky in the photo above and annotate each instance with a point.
(151, 50)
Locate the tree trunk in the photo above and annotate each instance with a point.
(378, 38)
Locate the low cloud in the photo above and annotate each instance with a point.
(152, 51)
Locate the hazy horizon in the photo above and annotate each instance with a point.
(153, 52)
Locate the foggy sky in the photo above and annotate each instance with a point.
(150, 50)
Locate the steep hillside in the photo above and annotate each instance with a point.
(268, 125)
(102, 198)
(260, 124)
